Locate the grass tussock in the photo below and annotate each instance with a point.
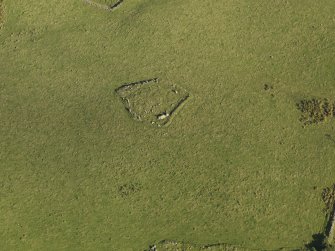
(315, 110)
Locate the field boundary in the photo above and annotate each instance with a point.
(170, 244)
(179, 104)
(331, 226)
(162, 117)
(104, 6)
(133, 84)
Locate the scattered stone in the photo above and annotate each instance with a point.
(169, 245)
(153, 248)
(164, 115)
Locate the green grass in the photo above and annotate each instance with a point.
(104, 4)
(108, 2)
(234, 166)
(181, 246)
(1, 14)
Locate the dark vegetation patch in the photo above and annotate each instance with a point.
(319, 242)
(315, 111)
(105, 4)
(268, 87)
(151, 101)
(328, 197)
(128, 189)
(330, 138)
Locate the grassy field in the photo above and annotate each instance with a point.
(234, 165)
(1, 14)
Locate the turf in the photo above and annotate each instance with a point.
(235, 165)
(108, 2)
(1, 14)
(107, 5)
(167, 245)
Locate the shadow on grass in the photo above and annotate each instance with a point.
(319, 243)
